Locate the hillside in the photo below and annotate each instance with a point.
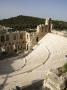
(59, 25)
(22, 22)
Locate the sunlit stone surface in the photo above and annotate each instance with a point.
(48, 54)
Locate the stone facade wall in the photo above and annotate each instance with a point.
(42, 29)
(14, 41)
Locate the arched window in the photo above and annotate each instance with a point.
(7, 37)
(21, 36)
(14, 37)
(2, 38)
(27, 36)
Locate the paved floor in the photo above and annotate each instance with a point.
(48, 54)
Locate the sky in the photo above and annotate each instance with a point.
(55, 9)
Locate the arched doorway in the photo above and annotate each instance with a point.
(27, 47)
(37, 39)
